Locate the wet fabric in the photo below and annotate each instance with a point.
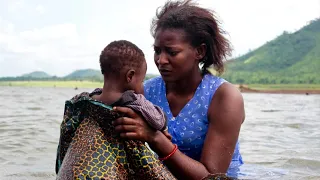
(89, 147)
(154, 115)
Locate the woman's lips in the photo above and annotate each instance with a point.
(165, 72)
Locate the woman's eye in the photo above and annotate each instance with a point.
(157, 50)
(173, 53)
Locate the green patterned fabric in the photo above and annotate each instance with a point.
(90, 149)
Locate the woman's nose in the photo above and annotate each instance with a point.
(162, 59)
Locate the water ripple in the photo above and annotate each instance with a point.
(280, 138)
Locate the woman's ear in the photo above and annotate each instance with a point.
(201, 51)
(129, 75)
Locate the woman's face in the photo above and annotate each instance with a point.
(173, 54)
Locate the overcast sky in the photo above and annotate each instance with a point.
(61, 36)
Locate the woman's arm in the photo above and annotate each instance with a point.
(226, 113)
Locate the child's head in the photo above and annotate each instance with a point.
(124, 62)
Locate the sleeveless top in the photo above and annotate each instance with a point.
(189, 127)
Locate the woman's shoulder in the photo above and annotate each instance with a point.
(220, 86)
(227, 100)
(213, 79)
(153, 83)
(152, 87)
(211, 83)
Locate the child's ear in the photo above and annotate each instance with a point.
(130, 75)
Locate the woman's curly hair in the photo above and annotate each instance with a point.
(201, 26)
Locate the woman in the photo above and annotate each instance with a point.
(205, 112)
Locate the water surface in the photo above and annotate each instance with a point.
(280, 138)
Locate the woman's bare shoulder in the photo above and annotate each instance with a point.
(227, 99)
(228, 90)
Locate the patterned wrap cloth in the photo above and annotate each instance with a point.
(89, 148)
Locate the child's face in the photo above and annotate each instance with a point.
(137, 80)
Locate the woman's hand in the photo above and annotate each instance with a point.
(132, 126)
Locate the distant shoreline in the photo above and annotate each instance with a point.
(285, 91)
(254, 88)
(280, 89)
(55, 84)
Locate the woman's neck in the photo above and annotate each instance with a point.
(185, 86)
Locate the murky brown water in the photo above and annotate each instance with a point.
(280, 138)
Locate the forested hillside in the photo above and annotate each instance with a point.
(291, 58)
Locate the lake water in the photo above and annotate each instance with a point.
(280, 138)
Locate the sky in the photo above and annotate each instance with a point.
(61, 36)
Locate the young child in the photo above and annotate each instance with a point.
(124, 67)
(89, 147)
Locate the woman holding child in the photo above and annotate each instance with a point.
(205, 113)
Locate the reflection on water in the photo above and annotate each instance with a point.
(279, 139)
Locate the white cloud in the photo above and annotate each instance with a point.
(15, 6)
(59, 36)
(30, 40)
(40, 9)
(59, 31)
(52, 46)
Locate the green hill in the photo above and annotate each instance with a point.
(291, 58)
(78, 75)
(36, 74)
(91, 74)
(84, 74)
